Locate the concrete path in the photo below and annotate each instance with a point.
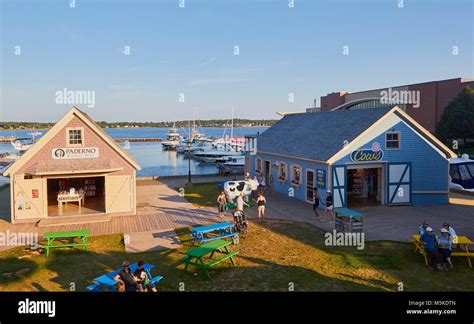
(151, 241)
(396, 223)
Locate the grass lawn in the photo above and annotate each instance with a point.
(274, 256)
(202, 194)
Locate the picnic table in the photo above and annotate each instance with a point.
(196, 256)
(66, 239)
(348, 220)
(108, 281)
(462, 241)
(201, 233)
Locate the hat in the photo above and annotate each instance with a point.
(443, 230)
(425, 223)
(125, 264)
(445, 224)
(429, 229)
(328, 191)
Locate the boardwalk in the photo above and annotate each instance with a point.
(165, 210)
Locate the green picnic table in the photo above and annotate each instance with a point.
(196, 256)
(66, 239)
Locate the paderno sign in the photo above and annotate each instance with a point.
(75, 153)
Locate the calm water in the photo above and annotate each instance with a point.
(153, 160)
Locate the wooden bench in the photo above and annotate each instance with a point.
(57, 239)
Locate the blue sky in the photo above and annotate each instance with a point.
(191, 51)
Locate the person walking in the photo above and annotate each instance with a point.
(316, 201)
(241, 203)
(261, 201)
(221, 201)
(329, 206)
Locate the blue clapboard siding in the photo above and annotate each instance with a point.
(284, 187)
(429, 169)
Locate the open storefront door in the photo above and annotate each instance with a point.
(29, 198)
(399, 183)
(339, 186)
(118, 194)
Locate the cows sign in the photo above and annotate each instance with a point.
(375, 153)
(75, 153)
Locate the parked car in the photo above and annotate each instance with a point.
(461, 172)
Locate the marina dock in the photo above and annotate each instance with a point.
(120, 140)
(136, 140)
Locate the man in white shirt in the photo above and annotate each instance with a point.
(241, 202)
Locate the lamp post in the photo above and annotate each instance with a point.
(190, 183)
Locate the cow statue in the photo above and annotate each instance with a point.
(233, 189)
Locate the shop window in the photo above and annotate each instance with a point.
(282, 171)
(258, 165)
(392, 141)
(75, 136)
(296, 175)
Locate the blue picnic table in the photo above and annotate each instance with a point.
(108, 280)
(224, 230)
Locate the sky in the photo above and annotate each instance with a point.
(147, 60)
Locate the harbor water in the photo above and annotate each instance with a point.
(153, 160)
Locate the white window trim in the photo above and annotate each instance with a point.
(292, 174)
(280, 164)
(399, 141)
(68, 144)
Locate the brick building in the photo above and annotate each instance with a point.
(425, 106)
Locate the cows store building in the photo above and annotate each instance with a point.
(365, 157)
(74, 169)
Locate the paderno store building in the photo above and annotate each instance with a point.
(75, 169)
(364, 157)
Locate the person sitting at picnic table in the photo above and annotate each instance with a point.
(221, 201)
(429, 243)
(329, 205)
(141, 277)
(126, 278)
(451, 230)
(423, 227)
(261, 201)
(444, 246)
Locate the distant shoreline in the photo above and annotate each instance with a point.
(46, 129)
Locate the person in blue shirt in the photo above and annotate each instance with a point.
(422, 228)
(429, 242)
(445, 245)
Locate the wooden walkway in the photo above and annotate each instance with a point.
(165, 210)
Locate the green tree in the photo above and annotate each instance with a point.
(457, 120)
